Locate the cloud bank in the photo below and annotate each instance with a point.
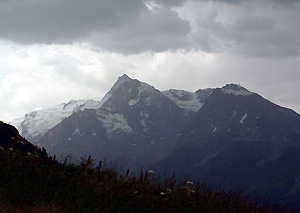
(249, 28)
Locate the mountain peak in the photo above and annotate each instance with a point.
(235, 89)
(119, 82)
(124, 77)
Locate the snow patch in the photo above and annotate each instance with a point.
(144, 114)
(37, 123)
(104, 99)
(243, 118)
(76, 131)
(145, 88)
(148, 101)
(133, 102)
(235, 90)
(114, 122)
(143, 124)
(186, 100)
(215, 129)
(234, 114)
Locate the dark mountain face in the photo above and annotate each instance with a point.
(136, 126)
(241, 140)
(143, 107)
(10, 139)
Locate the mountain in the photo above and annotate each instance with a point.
(136, 125)
(11, 140)
(225, 136)
(241, 140)
(35, 124)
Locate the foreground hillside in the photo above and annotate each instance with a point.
(41, 184)
(10, 139)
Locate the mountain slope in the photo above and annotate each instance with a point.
(11, 140)
(240, 139)
(35, 124)
(135, 126)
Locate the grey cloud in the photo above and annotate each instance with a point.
(274, 44)
(130, 27)
(64, 67)
(67, 68)
(125, 26)
(280, 2)
(263, 38)
(226, 1)
(159, 31)
(251, 35)
(63, 21)
(254, 24)
(172, 3)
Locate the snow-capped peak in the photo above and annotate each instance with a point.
(235, 89)
(141, 86)
(75, 105)
(35, 124)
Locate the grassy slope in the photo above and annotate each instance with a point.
(41, 184)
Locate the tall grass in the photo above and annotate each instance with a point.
(41, 184)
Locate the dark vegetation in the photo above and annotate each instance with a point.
(38, 183)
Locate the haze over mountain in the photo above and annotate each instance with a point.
(223, 136)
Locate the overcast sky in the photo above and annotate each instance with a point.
(58, 50)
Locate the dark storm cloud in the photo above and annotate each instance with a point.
(226, 1)
(124, 26)
(136, 26)
(252, 34)
(281, 2)
(30, 21)
(263, 36)
(159, 31)
(171, 3)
